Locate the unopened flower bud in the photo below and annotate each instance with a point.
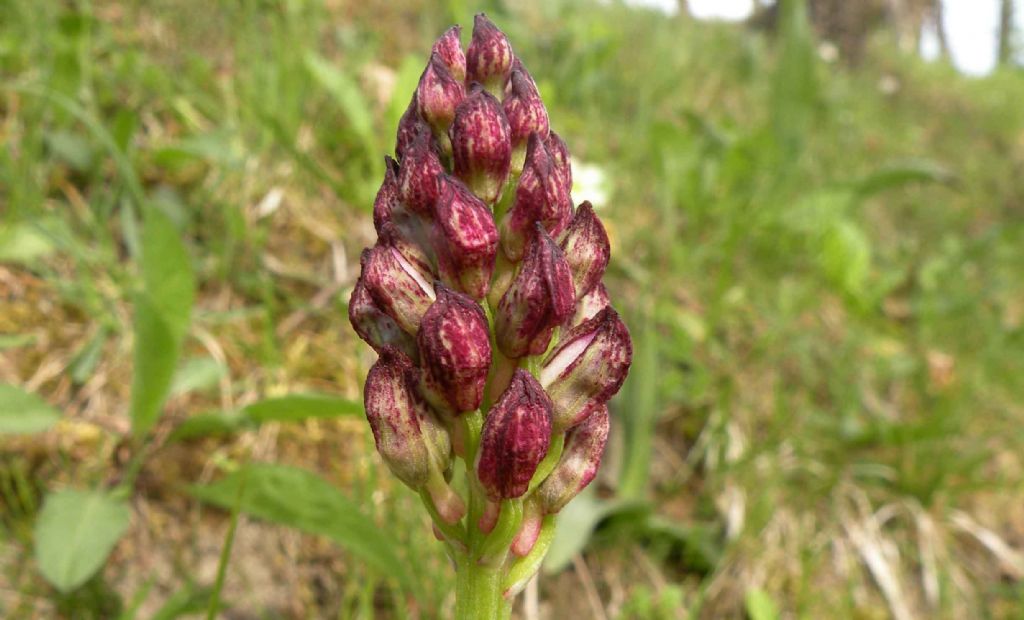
(562, 162)
(417, 178)
(413, 443)
(586, 368)
(456, 351)
(489, 57)
(586, 249)
(401, 289)
(539, 299)
(375, 327)
(481, 144)
(578, 464)
(540, 197)
(437, 95)
(514, 439)
(449, 48)
(408, 127)
(588, 306)
(464, 238)
(387, 196)
(524, 109)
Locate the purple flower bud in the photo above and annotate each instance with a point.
(581, 457)
(464, 237)
(539, 298)
(587, 368)
(402, 290)
(540, 197)
(588, 306)
(562, 162)
(524, 109)
(375, 327)
(411, 441)
(408, 127)
(514, 438)
(456, 349)
(449, 48)
(481, 144)
(437, 95)
(417, 178)
(586, 249)
(489, 57)
(387, 196)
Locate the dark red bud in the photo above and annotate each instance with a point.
(411, 441)
(514, 439)
(387, 199)
(489, 57)
(449, 48)
(579, 462)
(456, 351)
(540, 197)
(587, 368)
(408, 127)
(438, 94)
(562, 161)
(481, 144)
(464, 238)
(586, 248)
(417, 178)
(524, 109)
(539, 299)
(375, 327)
(400, 288)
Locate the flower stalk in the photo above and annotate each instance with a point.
(482, 296)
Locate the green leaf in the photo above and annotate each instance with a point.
(208, 425)
(24, 243)
(760, 605)
(898, 174)
(303, 500)
(198, 373)
(577, 522)
(846, 258)
(22, 413)
(75, 533)
(349, 97)
(297, 407)
(162, 314)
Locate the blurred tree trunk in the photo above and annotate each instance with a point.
(847, 24)
(684, 8)
(1005, 31)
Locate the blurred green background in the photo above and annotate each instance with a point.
(818, 245)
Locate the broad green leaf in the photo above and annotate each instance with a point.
(296, 407)
(641, 402)
(208, 425)
(760, 605)
(576, 523)
(162, 313)
(846, 258)
(24, 413)
(23, 243)
(349, 97)
(75, 532)
(303, 500)
(897, 174)
(198, 373)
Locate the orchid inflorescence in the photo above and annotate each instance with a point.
(483, 298)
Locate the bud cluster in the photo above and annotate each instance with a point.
(483, 297)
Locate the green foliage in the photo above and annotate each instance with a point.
(24, 413)
(307, 502)
(75, 533)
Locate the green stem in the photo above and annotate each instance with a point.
(478, 592)
(525, 568)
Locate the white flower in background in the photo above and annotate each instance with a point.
(590, 182)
